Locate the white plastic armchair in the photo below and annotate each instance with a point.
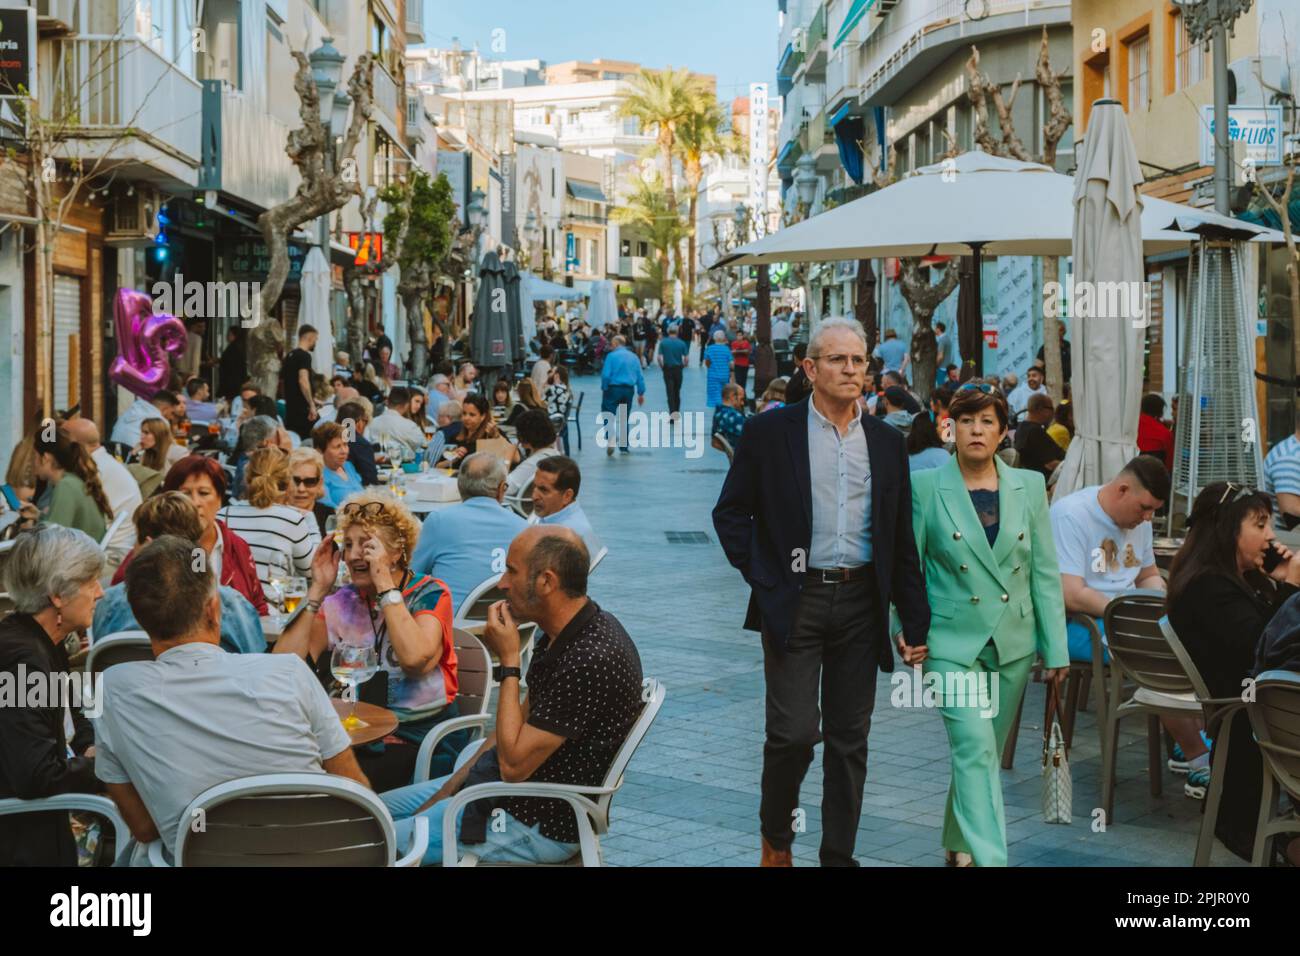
(86, 802)
(290, 819)
(122, 517)
(590, 804)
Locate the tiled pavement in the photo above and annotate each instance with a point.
(691, 793)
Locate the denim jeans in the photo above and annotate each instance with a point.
(508, 840)
(1079, 640)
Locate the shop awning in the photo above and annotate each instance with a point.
(851, 19)
(588, 192)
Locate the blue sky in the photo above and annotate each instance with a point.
(733, 39)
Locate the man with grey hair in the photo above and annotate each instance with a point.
(448, 421)
(439, 393)
(822, 577)
(619, 377)
(196, 716)
(464, 545)
(52, 577)
(260, 431)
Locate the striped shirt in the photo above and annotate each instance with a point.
(1282, 469)
(277, 530)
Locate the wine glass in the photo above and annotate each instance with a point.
(277, 576)
(353, 665)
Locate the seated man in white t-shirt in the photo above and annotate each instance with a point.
(1104, 547)
(196, 716)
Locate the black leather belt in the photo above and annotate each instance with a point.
(840, 575)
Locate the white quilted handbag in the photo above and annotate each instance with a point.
(1058, 791)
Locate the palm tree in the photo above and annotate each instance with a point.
(661, 99)
(698, 138)
(650, 207)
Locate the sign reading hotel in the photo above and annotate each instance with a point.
(758, 150)
(1259, 127)
(17, 51)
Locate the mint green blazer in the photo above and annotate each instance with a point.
(1011, 591)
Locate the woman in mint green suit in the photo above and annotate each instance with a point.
(985, 542)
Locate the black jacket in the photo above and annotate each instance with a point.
(33, 752)
(362, 455)
(1222, 622)
(764, 521)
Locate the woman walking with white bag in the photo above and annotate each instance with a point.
(985, 542)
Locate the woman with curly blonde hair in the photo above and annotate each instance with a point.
(405, 617)
(276, 533)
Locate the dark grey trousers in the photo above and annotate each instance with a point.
(673, 385)
(834, 649)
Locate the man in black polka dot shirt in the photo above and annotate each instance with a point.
(584, 695)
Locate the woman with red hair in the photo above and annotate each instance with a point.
(203, 481)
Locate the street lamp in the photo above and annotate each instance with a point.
(475, 210)
(741, 218)
(326, 72)
(1214, 20)
(531, 233)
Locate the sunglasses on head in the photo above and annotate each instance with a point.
(306, 482)
(368, 509)
(984, 387)
(1241, 491)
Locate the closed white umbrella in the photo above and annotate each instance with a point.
(315, 310)
(1107, 382)
(604, 304)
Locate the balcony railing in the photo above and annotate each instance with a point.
(385, 92)
(244, 149)
(102, 84)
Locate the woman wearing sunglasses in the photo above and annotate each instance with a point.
(275, 532)
(405, 617)
(985, 542)
(307, 484)
(1228, 580)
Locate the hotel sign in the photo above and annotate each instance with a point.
(759, 150)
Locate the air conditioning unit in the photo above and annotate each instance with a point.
(133, 219)
(1257, 81)
(883, 7)
(56, 17)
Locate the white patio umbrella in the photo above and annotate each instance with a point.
(975, 203)
(1107, 383)
(315, 310)
(604, 304)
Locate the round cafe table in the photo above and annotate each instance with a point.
(380, 721)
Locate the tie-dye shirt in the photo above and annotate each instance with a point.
(352, 619)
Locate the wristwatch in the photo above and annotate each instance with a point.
(391, 596)
(499, 673)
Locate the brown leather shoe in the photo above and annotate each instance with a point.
(774, 857)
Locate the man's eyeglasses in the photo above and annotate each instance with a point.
(367, 509)
(841, 361)
(306, 482)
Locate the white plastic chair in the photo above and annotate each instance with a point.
(471, 616)
(590, 805)
(474, 697)
(122, 517)
(522, 503)
(289, 819)
(86, 802)
(118, 648)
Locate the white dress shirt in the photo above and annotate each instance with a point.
(123, 497)
(391, 426)
(841, 493)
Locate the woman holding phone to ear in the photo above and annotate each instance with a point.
(405, 617)
(985, 542)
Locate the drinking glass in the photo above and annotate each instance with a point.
(353, 665)
(295, 592)
(277, 574)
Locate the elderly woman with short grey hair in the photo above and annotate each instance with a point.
(53, 580)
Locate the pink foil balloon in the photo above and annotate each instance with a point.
(146, 343)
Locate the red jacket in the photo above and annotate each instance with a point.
(1154, 437)
(237, 569)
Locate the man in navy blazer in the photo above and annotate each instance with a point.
(816, 514)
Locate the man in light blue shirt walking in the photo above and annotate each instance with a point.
(619, 378)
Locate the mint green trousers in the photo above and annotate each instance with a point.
(978, 704)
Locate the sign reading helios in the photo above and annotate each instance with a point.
(1259, 127)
